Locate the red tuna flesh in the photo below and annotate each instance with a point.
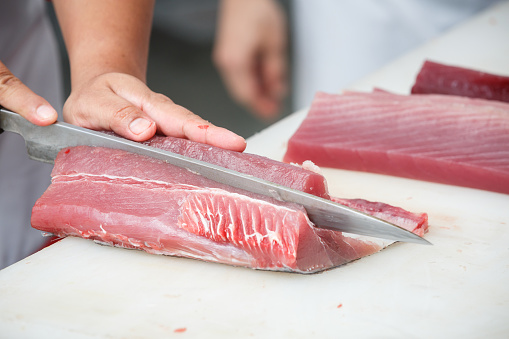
(258, 166)
(131, 201)
(435, 78)
(446, 139)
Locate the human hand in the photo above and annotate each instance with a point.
(124, 104)
(107, 46)
(17, 97)
(250, 53)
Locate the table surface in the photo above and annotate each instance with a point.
(457, 287)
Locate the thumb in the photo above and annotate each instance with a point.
(16, 96)
(131, 122)
(109, 111)
(102, 104)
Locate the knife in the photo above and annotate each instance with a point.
(44, 143)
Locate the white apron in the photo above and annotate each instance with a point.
(338, 42)
(29, 49)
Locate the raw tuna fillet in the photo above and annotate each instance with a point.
(127, 200)
(258, 166)
(446, 139)
(435, 78)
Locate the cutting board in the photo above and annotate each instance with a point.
(456, 288)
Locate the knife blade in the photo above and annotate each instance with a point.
(44, 143)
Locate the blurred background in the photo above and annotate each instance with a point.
(180, 64)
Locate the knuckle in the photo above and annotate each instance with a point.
(123, 113)
(187, 114)
(162, 98)
(8, 81)
(155, 100)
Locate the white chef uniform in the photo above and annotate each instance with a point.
(29, 49)
(340, 41)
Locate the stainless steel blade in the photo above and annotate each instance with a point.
(44, 143)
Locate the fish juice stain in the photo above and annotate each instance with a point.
(67, 151)
(203, 126)
(180, 330)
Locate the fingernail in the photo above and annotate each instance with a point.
(139, 125)
(46, 113)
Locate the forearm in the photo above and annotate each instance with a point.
(104, 36)
(107, 42)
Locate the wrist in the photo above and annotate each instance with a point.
(85, 72)
(105, 37)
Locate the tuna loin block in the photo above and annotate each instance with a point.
(261, 167)
(435, 78)
(131, 201)
(441, 138)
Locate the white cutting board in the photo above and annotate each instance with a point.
(459, 287)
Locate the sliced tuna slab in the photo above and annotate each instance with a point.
(436, 78)
(440, 138)
(127, 200)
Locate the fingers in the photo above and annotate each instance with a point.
(257, 81)
(177, 121)
(238, 70)
(125, 105)
(111, 112)
(213, 135)
(174, 120)
(274, 72)
(14, 95)
(254, 78)
(272, 82)
(96, 105)
(131, 122)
